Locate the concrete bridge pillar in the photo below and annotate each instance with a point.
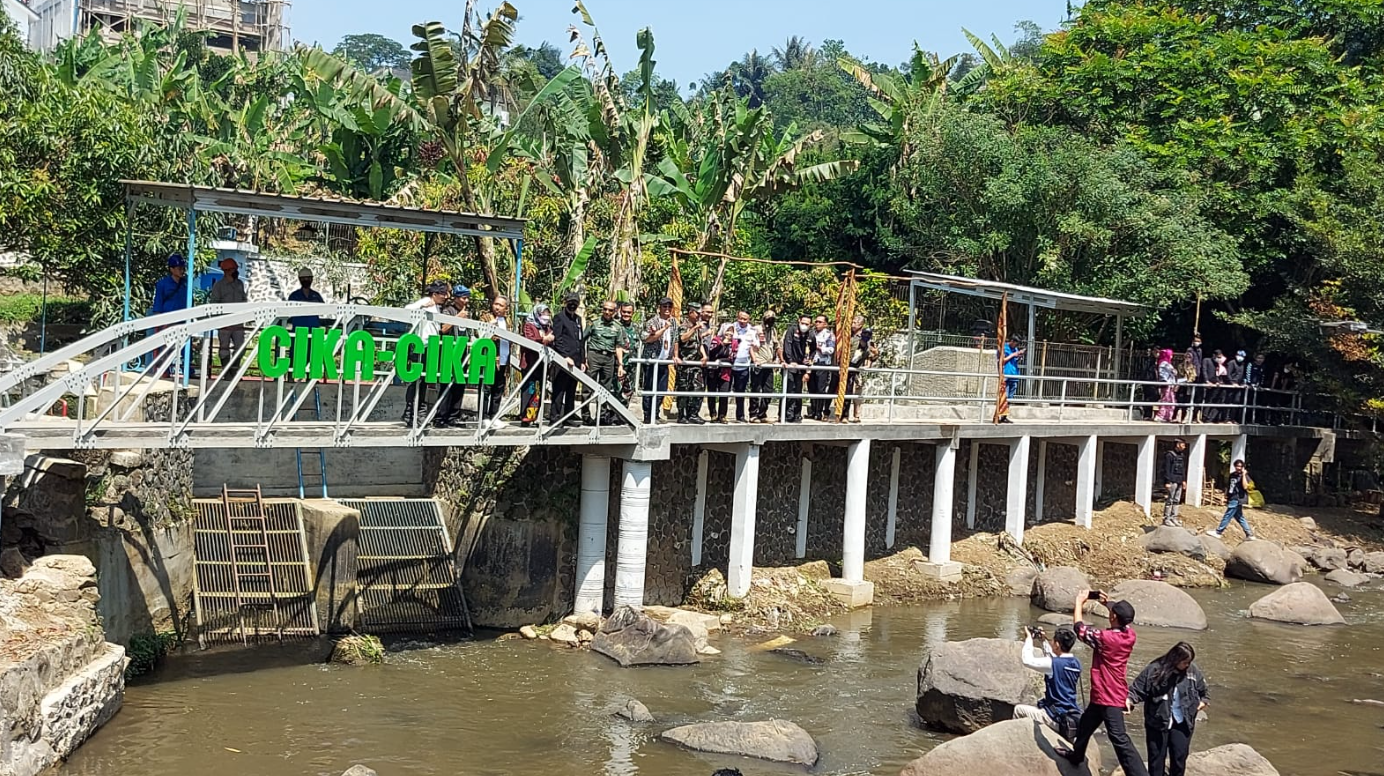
(804, 499)
(1086, 480)
(1239, 448)
(742, 514)
(973, 469)
(1196, 469)
(1016, 504)
(632, 552)
(591, 534)
(1145, 473)
(891, 522)
(699, 508)
(851, 588)
(940, 565)
(853, 534)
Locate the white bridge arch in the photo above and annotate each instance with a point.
(110, 395)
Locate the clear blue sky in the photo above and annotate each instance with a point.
(697, 37)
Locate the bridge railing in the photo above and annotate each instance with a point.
(896, 393)
(165, 384)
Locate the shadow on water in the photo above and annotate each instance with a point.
(474, 708)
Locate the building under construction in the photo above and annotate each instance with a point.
(233, 25)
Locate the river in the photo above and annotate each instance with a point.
(493, 708)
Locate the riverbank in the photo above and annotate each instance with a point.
(789, 599)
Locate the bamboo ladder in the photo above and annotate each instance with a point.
(245, 518)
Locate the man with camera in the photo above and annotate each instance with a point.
(1110, 651)
(1059, 708)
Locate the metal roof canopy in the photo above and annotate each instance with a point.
(1036, 297)
(207, 199)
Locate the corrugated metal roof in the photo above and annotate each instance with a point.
(334, 210)
(1039, 297)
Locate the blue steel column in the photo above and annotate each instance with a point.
(191, 259)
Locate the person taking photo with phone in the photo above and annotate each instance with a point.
(1110, 651)
(1059, 709)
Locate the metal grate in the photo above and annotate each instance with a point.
(404, 567)
(218, 616)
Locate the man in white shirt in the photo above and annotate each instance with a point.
(744, 340)
(228, 290)
(495, 392)
(437, 293)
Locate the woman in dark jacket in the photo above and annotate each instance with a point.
(1172, 690)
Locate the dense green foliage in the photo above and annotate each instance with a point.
(1219, 158)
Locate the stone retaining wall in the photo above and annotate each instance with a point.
(59, 679)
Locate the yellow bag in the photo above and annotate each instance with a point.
(1256, 498)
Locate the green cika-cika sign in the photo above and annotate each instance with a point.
(321, 354)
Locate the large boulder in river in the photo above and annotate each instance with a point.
(1328, 558)
(1016, 746)
(1229, 760)
(1302, 603)
(632, 638)
(1056, 589)
(964, 686)
(1263, 561)
(777, 740)
(1173, 539)
(1214, 546)
(1160, 604)
(1372, 563)
(1346, 578)
(1020, 581)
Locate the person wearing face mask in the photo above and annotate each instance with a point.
(1210, 394)
(1254, 381)
(744, 339)
(449, 411)
(538, 326)
(416, 403)
(494, 393)
(863, 355)
(567, 341)
(1196, 378)
(823, 356)
(797, 354)
(1233, 391)
(605, 352)
(764, 356)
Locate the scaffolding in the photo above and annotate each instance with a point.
(232, 25)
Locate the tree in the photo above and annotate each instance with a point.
(796, 54)
(665, 91)
(1047, 207)
(373, 52)
(748, 75)
(546, 59)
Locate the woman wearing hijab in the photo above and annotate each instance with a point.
(1167, 400)
(538, 326)
(1172, 690)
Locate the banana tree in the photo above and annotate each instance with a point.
(452, 99)
(728, 157)
(900, 101)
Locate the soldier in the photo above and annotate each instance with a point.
(606, 346)
(632, 335)
(690, 351)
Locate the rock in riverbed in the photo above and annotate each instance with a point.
(1214, 546)
(1372, 563)
(1263, 561)
(632, 638)
(1172, 539)
(1020, 581)
(1346, 578)
(359, 770)
(777, 740)
(1016, 746)
(1160, 604)
(634, 711)
(1056, 588)
(1230, 760)
(1302, 603)
(964, 686)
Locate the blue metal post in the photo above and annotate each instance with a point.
(191, 263)
(129, 248)
(518, 270)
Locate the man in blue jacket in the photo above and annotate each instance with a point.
(170, 294)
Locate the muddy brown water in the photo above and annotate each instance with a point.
(487, 708)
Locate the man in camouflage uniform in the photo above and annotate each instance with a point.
(632, 335)
(690, 358)
(606, 345)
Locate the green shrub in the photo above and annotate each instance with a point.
(358, 650)
(147, 650)
(28, 308)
